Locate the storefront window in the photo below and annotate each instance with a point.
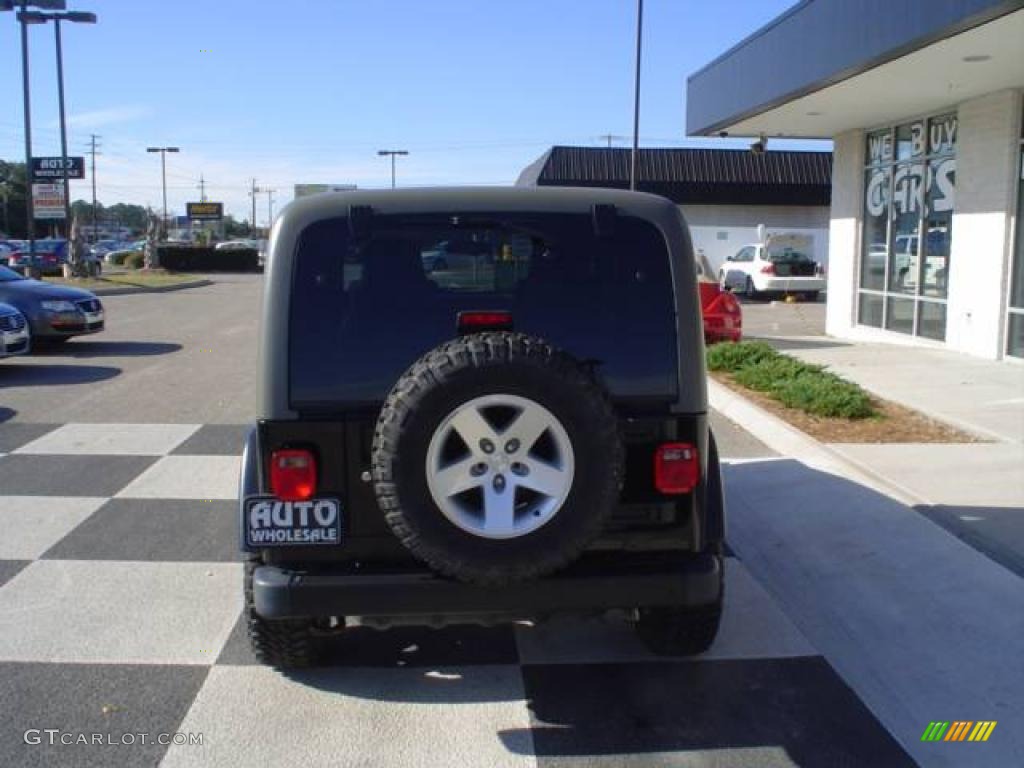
(1015, 320)
(909, 183)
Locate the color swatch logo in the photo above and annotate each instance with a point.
(958, 730)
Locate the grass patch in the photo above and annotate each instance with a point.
(794, 383)
(731, 357)
(135, 260)
(139, 279)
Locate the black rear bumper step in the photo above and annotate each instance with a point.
(280, 593)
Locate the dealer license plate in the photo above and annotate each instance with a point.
(270, 522)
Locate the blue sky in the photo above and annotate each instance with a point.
(306, 91)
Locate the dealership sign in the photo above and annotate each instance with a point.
(205, 211)
(48, 201)
(918, 184)
(51, 168)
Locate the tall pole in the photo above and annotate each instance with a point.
(270, 208)
(30, 215)
(63, 131)
(163, 179)
(392, 153)
(636, 94)
(202, 189)
(92, 171)
(252, 221)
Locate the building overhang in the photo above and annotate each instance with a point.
(824, 68)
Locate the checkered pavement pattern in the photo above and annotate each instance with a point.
(120, 614)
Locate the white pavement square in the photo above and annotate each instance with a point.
(452, 717)
(30, 525)
(119, 612)
(187, 477)
(112, 439)
(752, 627)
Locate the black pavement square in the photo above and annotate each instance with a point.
(154, 530)
(462, 645)
(9, 568)
(215, 440)
(14, 436)
(748, 711)
(122, 700)
(51, 475)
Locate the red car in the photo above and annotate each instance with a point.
(723, 316)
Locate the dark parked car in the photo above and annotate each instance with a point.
(50, 256)
(55, 313)
(503, 443)
(14, 338)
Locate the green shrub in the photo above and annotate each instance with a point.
(824, 394)
(768, 374)
(794, 383)
(135, 260)
(731, 357)
(118, 257)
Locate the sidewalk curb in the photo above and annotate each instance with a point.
(129, 289)
(793, 443)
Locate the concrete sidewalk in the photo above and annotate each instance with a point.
(975, 490)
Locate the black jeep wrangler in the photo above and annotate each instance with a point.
(516, 430)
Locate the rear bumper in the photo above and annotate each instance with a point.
(790, 284)
(279, 593)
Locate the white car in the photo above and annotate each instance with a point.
(773, 267)
(237, 245)
(14, 333)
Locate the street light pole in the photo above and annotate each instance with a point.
(63, 130)
(30, 215)
(392, 153)
(163, 174)
(636, 100)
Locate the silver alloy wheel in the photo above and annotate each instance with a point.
(500, 466)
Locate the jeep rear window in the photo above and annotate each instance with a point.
(365, 307)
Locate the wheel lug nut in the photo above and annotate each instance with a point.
(486, 446)
(520, 469)
(478, 469)
(499, 483)
(512, 446)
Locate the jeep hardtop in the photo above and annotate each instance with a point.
(480, 405)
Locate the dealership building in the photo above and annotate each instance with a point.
(728, 196)
(923, 102)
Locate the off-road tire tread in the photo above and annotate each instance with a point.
(483, 350)
(281, 643)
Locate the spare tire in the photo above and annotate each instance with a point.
(496, 458)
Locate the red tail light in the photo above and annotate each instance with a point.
(292, 474)
(768, 269)
(484, 320)
(676, 468)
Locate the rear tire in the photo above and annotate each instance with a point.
(281, 643)
(678, 631)
(811, 296)
(687, 631)
(748, 289)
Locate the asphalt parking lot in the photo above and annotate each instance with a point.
(120, 605)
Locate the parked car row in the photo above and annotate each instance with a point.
(33, 312)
